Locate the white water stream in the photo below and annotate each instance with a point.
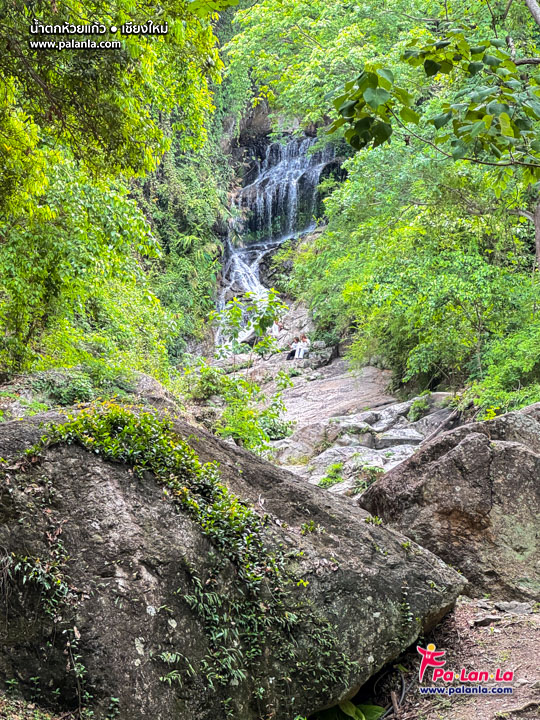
(277, 206)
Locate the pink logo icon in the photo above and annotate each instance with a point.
(429, 658)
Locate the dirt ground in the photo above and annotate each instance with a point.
(13, 709)
(510, 642)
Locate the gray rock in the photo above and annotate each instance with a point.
(130, 548)
(398, 436)
(514, 607)
(364, 439)
(363, 419)
(317, 358)
(306, 441)
(388, 417)
(426, 425)
(395, 455)
(472, 496)
(484, 604)
(486, 620)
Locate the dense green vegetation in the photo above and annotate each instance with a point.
(115, 176)
(83, 270)
(429, 255)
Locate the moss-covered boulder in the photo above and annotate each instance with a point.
(139, 582)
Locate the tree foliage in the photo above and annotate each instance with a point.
(75, 124)
(104, 104)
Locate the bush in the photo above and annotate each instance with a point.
(333, 476)
(275, 427)
(512, 377)
(418, 409)
(83, 384)
(66, 389)
(366, 477)
(207, 381)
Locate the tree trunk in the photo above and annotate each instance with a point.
(537, 233)
(534, 9)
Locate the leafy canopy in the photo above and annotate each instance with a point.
(105, 104)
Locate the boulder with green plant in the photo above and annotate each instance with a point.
(167, 573)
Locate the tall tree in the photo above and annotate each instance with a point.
(493, 118)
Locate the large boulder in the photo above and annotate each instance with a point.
(154, 593)
(472, 496)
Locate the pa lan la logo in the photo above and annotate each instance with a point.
(431, 657)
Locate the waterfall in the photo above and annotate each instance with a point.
(279, 204)
(276, 206)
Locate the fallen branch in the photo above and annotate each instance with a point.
(441, 427)
(523, 708)
(395, 705)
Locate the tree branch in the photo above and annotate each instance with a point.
(512, 47)
(307, 35)
(507, 8)
(493, 20)
(534, 9)
(527, 61)
(449, 155)
(522, 213)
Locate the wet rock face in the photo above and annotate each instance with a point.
(472, 496)
(129, 555)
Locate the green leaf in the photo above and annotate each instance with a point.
(459, 149)
(376, 96)
(477, 128)
(440, 120)
(372, 79)
(381, 133)
(363, 124)
(533, 105)
(478, 49)
(371, 712)
(523, 123)
(481, 94)
(403, 95)
(431, 67)
(348, 108)
(491, 60)
(475, 67)
(356, 141)
(446, 67)
(498, 42)
(408, 115)
(348, 708)
(496, 108)
(506, 125)
(388, 75)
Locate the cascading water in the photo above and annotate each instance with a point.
(277, 206)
